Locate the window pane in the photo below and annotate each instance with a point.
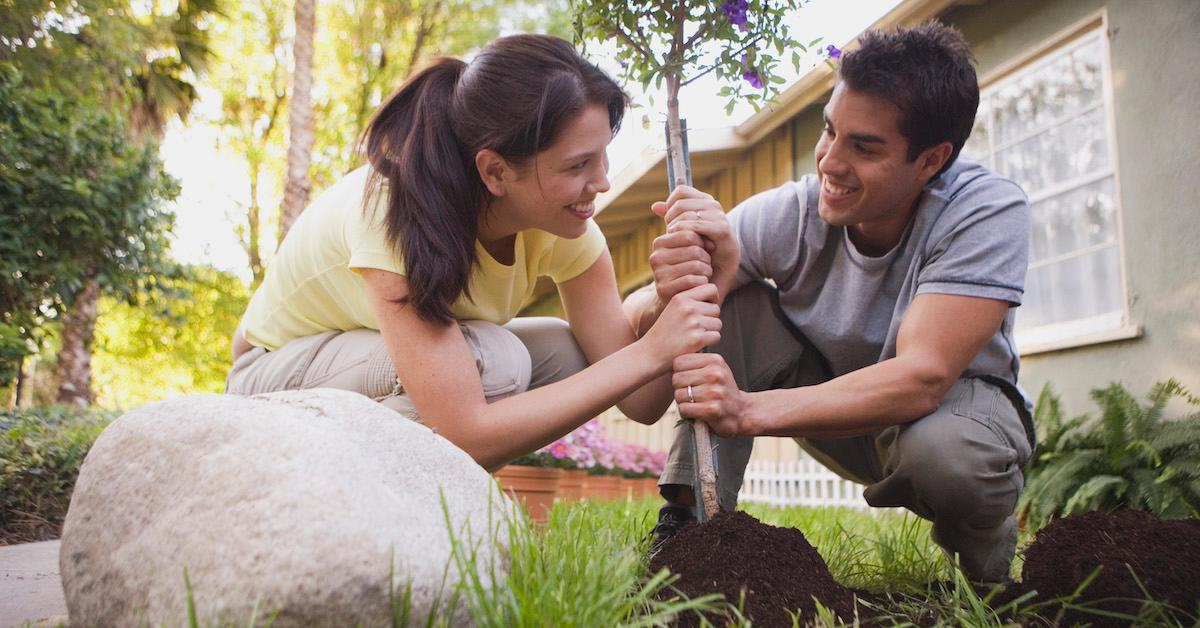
(1078, 219)
(1075, 288)
(1059, 154)
(1066, 85)
(978, 146)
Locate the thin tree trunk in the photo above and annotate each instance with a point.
(253, 215)
(74, 368)
(704, 458)
(300, 132)
(21, 385)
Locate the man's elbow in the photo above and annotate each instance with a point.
(930, 385)
(645, 416)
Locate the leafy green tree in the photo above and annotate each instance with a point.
(173, 340)
(78, 201)
(1130, 457)
(135, 59)
(172, 51)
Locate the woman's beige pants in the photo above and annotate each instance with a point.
(526, 353)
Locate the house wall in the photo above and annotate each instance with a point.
(1155, 77)
(1155, 72)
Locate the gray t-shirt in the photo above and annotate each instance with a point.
(968, 236)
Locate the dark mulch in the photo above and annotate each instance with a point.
(776, 568)
(1165, 554)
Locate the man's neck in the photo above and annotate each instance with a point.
(876, 239)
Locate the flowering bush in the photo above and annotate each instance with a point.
(589, 447)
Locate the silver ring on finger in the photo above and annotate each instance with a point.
(691, 399)
(697, 212)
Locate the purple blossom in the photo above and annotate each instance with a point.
(833, 52)
(735, 11)
(751, 76)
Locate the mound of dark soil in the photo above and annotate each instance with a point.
(776, 568)
(1165, 555)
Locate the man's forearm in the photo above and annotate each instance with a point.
(862, 402)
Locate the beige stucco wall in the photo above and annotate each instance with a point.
(1155, 61)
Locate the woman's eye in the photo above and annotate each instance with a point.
(579, 166)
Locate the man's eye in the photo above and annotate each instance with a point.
(579, 166)
(862, 149)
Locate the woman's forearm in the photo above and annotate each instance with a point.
(502, 431)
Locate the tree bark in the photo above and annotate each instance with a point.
(300, 131)
(705, 470)
(74, 368)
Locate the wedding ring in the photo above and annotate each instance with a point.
(697, 212)
(691, 399)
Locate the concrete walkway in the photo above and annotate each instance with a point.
(30, 589)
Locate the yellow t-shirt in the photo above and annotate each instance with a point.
(312, 287)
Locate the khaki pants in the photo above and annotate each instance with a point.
(959, 467)
(526, 353)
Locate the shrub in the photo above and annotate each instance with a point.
(40, 453)
(1129, 457)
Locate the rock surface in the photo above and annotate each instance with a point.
(298, 504)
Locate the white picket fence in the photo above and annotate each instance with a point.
(803, 482)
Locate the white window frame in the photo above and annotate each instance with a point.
(1107, 327)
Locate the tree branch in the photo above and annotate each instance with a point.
(706, 70)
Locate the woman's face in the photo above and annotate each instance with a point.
(556, 190)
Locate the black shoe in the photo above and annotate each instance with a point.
(671, 519)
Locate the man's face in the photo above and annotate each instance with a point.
(868, 183)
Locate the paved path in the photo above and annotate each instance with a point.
(30, 589)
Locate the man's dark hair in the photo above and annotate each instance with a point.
(927, 71)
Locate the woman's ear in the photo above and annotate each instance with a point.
(494, 170)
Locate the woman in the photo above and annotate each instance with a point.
(402, 280)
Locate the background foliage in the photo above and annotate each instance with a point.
(1130, 456)
(40, 453)
(77, 200)
(173, 340)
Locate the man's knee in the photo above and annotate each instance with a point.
(960, 466)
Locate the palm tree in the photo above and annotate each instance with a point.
(176, 51)
(300, 123)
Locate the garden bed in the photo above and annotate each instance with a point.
(771, 573)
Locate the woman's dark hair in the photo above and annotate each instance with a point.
(513, 98)
(927, 72)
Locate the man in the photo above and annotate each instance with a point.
(884, 345)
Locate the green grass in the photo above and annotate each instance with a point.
(587, 567)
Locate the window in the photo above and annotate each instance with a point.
(1046, 126)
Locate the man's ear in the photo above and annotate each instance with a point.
(933, 158)
(495, 171)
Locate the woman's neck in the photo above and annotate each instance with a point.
(498, 239)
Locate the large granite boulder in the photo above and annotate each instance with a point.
(309, 505)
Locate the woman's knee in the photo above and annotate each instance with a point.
(554, 352)
(502, 359)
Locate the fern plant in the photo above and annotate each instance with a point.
(1130, 457)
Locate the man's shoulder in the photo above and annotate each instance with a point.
(968, 178)
(790, 196)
